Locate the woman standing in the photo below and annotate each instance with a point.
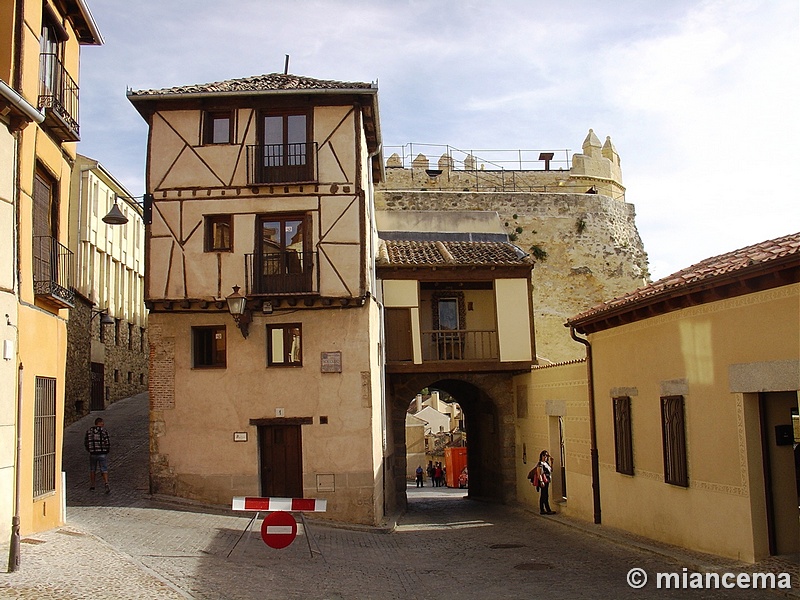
(545, 467)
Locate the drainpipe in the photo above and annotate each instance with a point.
(13, 551)
(592, 426)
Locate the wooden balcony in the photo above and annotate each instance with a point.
(446, 350)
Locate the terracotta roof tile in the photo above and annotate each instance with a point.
(707, 271)
(407, 253)
(258, 83)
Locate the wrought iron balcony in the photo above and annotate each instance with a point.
(282, 163)
(280, 273)
(52, 272)
(58, 93)
(462, 344)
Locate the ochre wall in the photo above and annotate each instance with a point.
(691, 352)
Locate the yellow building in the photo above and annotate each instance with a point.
(693, 402)
(264, 185)
(39, 68)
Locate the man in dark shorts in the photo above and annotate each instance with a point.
(98, 445)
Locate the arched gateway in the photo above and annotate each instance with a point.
(487, 402)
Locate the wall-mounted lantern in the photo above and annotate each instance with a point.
(106, 319)
(115, 216)
(237, 306)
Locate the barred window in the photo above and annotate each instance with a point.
(44, 437)
(623, 441)
(673, 435)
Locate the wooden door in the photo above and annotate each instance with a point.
(398, 335)
(281, 454)
(98, 383)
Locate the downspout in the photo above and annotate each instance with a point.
(382, 333)
(592, 425)
(14, 550)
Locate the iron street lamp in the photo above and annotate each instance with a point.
(115, 216)
(106, 319)
(237, 306)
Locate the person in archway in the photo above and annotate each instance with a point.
(430, 473)
(545, 476)
(420, 476)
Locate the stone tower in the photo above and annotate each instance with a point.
(571, 216)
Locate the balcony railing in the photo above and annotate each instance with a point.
(280, 273)
(52, 271)
(463, 344)
(282, 163)
(58, 92)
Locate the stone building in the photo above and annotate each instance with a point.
(569, 212)
(107, 348)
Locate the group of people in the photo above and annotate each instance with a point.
(436, 473)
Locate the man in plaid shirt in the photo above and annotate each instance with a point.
(98, 445)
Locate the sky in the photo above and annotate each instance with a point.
(699, 97)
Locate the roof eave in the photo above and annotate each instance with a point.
(774, 273)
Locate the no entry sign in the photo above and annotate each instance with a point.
(278, 529)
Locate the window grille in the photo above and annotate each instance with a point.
(623, 441)
(44, 437)
(673, 433)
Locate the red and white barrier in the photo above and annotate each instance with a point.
(253, 503)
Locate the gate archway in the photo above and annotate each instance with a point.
(487, 403)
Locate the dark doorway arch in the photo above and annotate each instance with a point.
(487, 402)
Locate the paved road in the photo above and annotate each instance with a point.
(129, 545)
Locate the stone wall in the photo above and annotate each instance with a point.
(124, 357)
(78, 380)
(593, 250)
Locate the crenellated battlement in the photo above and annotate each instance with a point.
(596, 170)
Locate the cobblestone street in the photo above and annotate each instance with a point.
(129, 545)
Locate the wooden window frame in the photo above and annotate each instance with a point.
(673, 436)
(204, 354)
(623, 440)
(287, 341)
(210, 222)
(209, 119)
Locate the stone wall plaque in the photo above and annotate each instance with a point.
(331, 362)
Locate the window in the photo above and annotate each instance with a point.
(673, 434)
(218, 127)
(284, 155)
(284, 345)
(623, 443)
(208, 346)
(219, 233)
(44, 437)
(117, 332)
(141, 339)
(284, 262)
(130, 336)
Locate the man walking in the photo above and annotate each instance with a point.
(98, 445)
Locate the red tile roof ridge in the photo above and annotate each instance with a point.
(708, 269)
